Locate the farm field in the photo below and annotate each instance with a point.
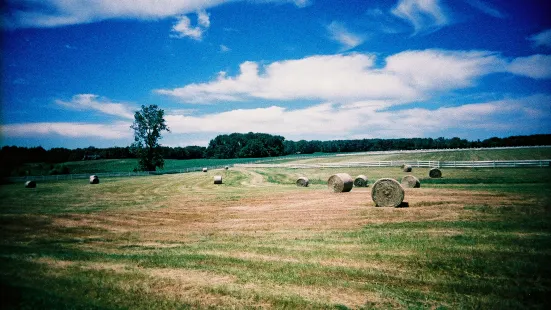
(127, 165)
(460, 155)
(476, 238)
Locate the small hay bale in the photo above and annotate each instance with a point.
(30, 184)
(94, 179)
(217, 179)
(340, 183)
(410, 181)
(435, 173)
(227, 167)
(302, 182)
(205, 169)
(361, 181)
(387, 193)
(407, 168)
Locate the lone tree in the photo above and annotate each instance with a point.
(148, 125)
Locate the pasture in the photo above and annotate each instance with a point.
(476, 238)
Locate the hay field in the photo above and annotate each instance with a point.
(477, 238)
(474, 154)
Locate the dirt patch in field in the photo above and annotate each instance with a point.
(187, 217)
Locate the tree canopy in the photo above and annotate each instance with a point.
(148, 124)
(249, 145)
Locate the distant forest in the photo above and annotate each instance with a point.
(255, 145)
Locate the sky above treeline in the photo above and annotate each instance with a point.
(74, 72)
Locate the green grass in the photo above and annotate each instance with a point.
(179, 241)
(128, 165)
(468, 155)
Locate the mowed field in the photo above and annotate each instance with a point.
(476, 238)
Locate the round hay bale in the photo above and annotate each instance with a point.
(361, 181)
(407, 168)
(205, 169)
(387, 193)
(94, 179)
(30, 184)
(302, 182)
(410, 181)
(227, 167)
(435, 173)
(217, 179)
(340, 183)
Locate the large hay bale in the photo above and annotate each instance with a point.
(387, 193)
(205, 169)
(94, 179)
(217, 179)
(302, 182)
(30, 184)
(407, 168)
(340, 183)
(361, 181)
(410, 181)
(435, 173)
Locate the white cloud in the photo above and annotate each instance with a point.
(119, 130)
(340, 34)
(203, 19)
(437, 70)
(94, 102)
(486, 8)
(535, 66)
(542, 39)
(183, 28)
(224, 48)
(407, 76)
(54, 13)
(372, 119)
(423, 15)
(325, 121)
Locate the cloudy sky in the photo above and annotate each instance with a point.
(74, 71)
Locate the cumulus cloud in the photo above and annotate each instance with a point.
(541, 39)
(360, 119)
(95, 102)
(183, 27)
(407, 76)
(119, 130)
(535, 66)
(54, 13)
(372, 119)
(424, 15)
(347, 39)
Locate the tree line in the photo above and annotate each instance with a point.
(253, 145)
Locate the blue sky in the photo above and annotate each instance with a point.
(73, 72)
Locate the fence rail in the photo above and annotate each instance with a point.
(413, 163)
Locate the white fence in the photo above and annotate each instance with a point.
(413, 163)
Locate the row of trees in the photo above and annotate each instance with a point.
(258, 145)
(149, 123)
(250, 145)
(365, 145)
